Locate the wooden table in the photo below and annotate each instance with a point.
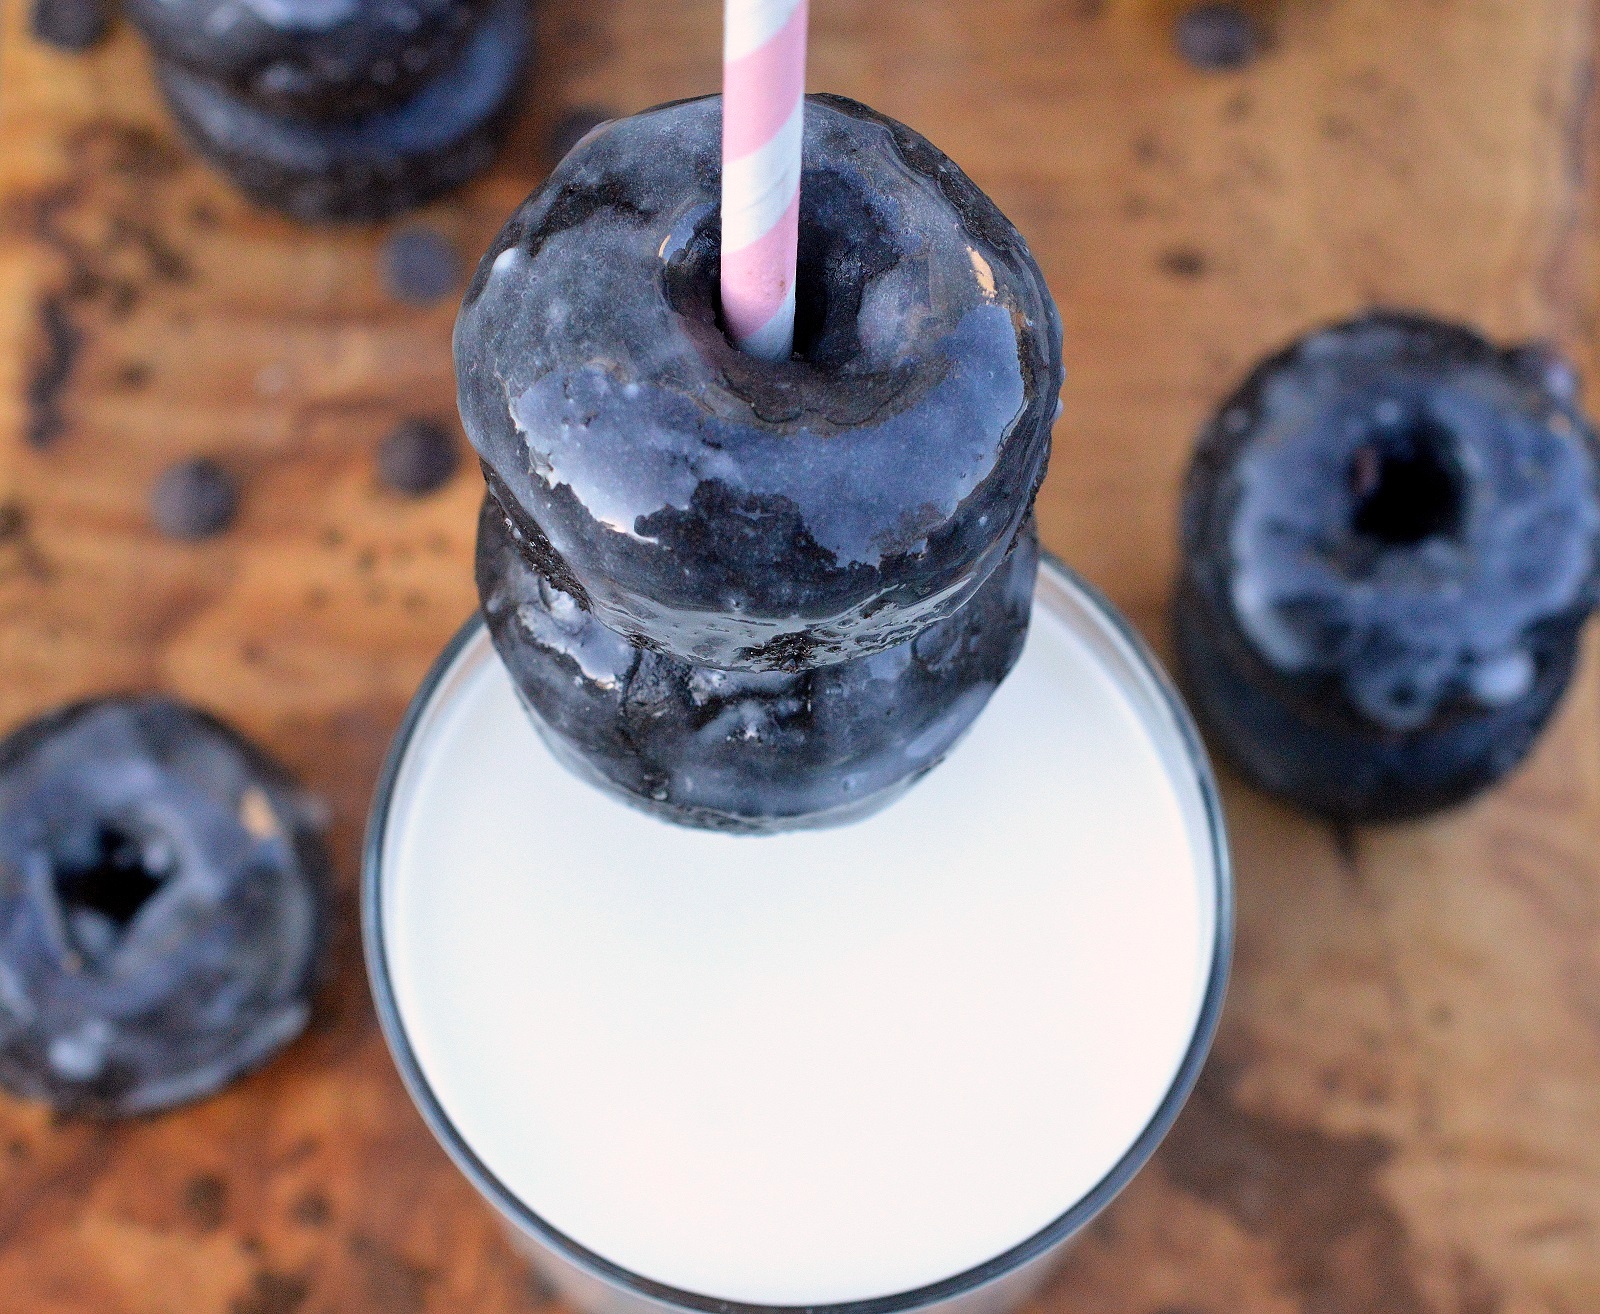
(1403, 1112)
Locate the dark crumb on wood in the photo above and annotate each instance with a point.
(131, 376)
(205, 1200)
(194, 499)
(1184, 262)
(164, 261)
(397, 1285)
(16, 535)
(311, 1209)
(272, 1293)
(420, 265)
(100, 223)
(74, 25)
(131, 151)
(1218, 36)
(419, 457)
(62, 344)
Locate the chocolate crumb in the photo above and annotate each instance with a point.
(205, 1200)
(272, 1293)
(311, 1209)
(1184, 262)
(194, 499)
(419, 457)
(420, 265)
(396, 1284)
(74, 25)
(131, 376)
(1218, 36)
(63, 343)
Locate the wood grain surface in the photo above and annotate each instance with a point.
(1403, 1112)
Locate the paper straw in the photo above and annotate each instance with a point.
(763, 112)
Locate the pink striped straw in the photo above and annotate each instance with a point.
(763, 113)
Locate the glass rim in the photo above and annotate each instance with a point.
(1140, 656)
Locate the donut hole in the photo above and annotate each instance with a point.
(1406, 484)
(104, 880)
(843, 245)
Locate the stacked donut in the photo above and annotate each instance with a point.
(743, 594)
(340, 109)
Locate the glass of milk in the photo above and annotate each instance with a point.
(891, 1066)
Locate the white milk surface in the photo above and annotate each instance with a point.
(815, 1067)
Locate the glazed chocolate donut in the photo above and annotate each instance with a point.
(750, 751)
(163, 907)
(310, 59)
(373, 165)
(1391, 540)
(739, 513)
